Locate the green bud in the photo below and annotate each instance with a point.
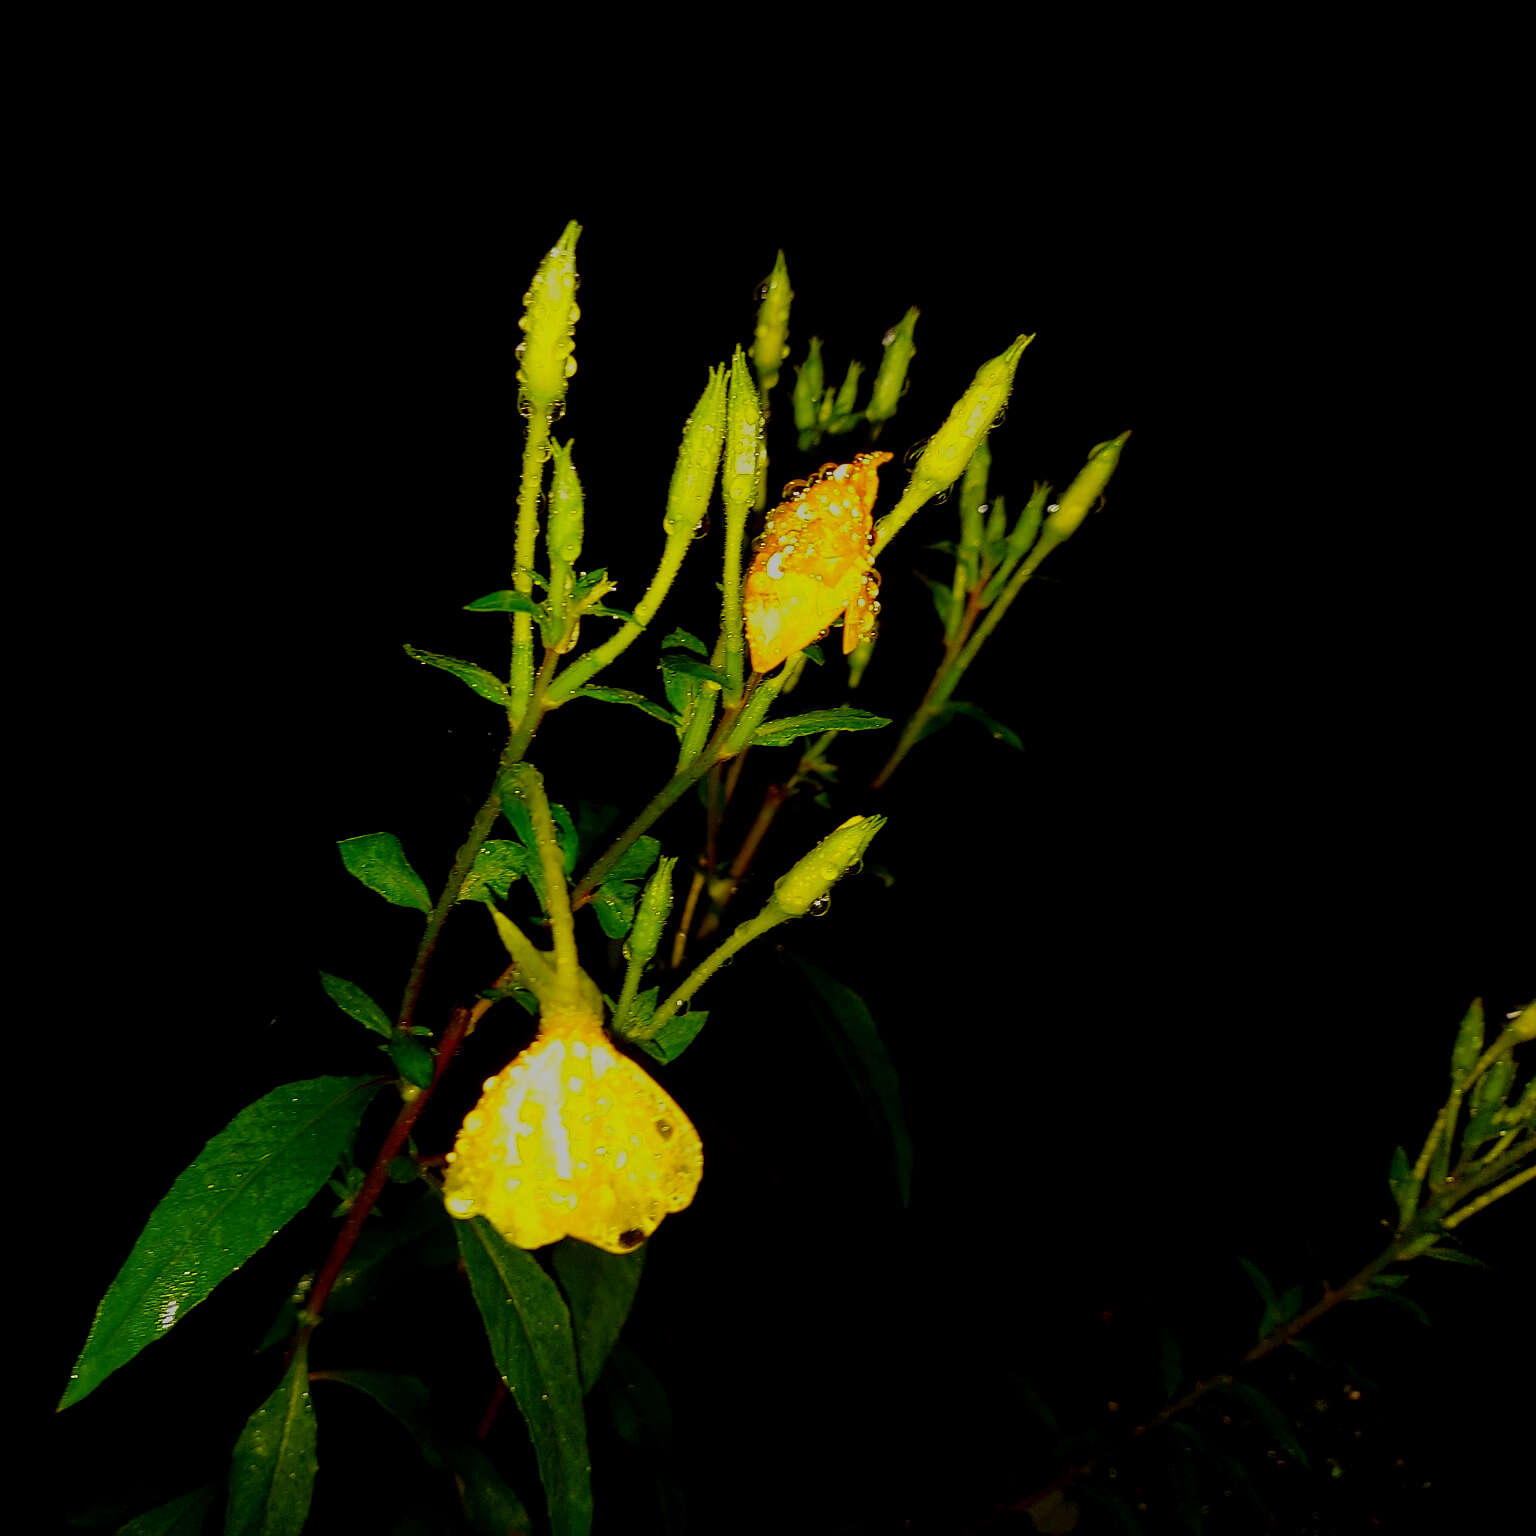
(949, 450)
(651, 917)
(809, 386)
(891, 377)
(1028, 525)
(744, 460)
(847, 399)
(547, 356)
(1078, 498)
(566, 506)
(770, 340)
(795, 893)
(693, 477)
(1524, 1025)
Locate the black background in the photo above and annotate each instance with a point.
(1164, 989)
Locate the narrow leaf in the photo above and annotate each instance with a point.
(252, 1178)
(498, 863)
(378, 860)
(491, 1508)
(413, 1061)
(636, 860)
(777, 733)
(627, 696)
(272, 1472)
(503, 602)
(600, 1289)
(851, 1031)
(993, 727)
(357, 1004)
(1469, 1044)
(681, 639)
(531, 1340)
(614, 904)
(404, 1398)
(486, 684)
(606, 611)
(1269, 1415)
(675, 1036)
(184, 1516)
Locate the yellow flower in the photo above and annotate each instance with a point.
(573, 1139)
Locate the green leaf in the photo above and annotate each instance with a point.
(272, 1472)
(636, 860)
(498, 863)
(587, 582)
(531, 1341)
(614, 904)
(404, 1398)
(994, 728)
(1453, 1256)
(681, 688)
(638, 1402)
(680, 639)
(600, 1289)
(1172, 1362)
(413, 1061)
(1469, 1044)
(503, 602)
(378, 860)
(252, 1178)
(486, 684)
(627, 696)
(1405, 1188)
(565, 835)
(675, 1036)
(606, 611)
(943, 598)
(356, 1004)
(777, 733)
(850, 1030)
(491, 1508)
(687, 666)
(1267, 1412)
(183, 1516)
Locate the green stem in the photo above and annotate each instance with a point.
(753, 928)
(529, 783)
(535, 452)
(948, 676)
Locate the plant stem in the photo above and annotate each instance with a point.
(535, 452)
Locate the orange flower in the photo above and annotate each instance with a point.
(813, 563)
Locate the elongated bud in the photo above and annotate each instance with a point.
(1523, 1026)
(848, 392)
(693, 476)
(770, 339)
(651, 917)
(1028, 525)
(891, 377)
(810, 383)
(949, 450)
(1078, 498)
(795, 893)
(547, 356)
(743, 469)
(563, 532)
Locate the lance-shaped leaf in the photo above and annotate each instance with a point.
(495, 602)
(272, 1472)
(356, 1004)
(378, 860)
(627, 696)
(183, 1516)
(777, 733)
(531, 1341)
(600, 1288)
(486, 684)
(850, 1031)
(252, 1178)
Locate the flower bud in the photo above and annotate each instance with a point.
(949, 450)
(795, 893)
(891, 378)
(546, 358)
(651, 917)
(770, 339)
(742, 472)
(1078, 498)
(810, 383)
(693, 476)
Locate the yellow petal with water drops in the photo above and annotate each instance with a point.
(573, 1139)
